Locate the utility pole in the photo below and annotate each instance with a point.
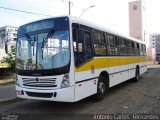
(69, 7)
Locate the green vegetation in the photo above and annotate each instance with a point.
(10, 58)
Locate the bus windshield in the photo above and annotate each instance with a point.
(40, 50)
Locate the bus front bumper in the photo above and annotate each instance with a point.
(62, 95)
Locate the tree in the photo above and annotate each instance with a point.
(10, 58)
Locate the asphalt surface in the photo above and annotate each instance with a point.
(130, 98)
(7, 92)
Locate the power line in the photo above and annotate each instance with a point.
(25, 11)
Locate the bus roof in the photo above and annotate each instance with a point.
(100, 27)
(78, 20)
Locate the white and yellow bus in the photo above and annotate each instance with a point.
(67, 59)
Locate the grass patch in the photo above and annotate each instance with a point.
(7, 82)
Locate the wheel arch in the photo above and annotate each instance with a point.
(105, 75)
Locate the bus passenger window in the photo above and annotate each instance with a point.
(99, 44)
(136, 48)
(74, 46)
(141, 49)
(144, 50)
(129, 48)
(82, 47)
(122, 46)
(80, 56)
(89, 51)
(112, 47)
(74, 40)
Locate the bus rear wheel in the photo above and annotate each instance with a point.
(137, 75)
(102, 89)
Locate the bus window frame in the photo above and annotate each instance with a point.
(130, 47)
(104, 41)
(109, 44)
(122, 45)
(78, 29)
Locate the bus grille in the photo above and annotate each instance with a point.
(39, 82)
(44, 95)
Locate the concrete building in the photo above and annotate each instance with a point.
(137, 20)
(8, 35)
(151, 54)
(154, 43)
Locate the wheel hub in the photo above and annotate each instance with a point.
(102, 87)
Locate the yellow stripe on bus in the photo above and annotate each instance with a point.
(110, 62)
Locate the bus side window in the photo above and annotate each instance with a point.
(129, 48)
(112, 47)
(82, 47)
(74, 32)
(89, 51)
(141, 49)
(136, 48)
(144, 50)
(78, 43)
(132, 43)
(99, 44)
(122, 46)
(80, 57)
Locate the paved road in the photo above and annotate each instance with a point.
(7, 92)
(126, 98)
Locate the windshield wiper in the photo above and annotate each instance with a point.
(30, 41)
(49, 35)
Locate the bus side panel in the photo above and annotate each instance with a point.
(120, 76)
(86, 77)
(86, 84)
(143, 68)
(118, 70)
(132, 69)
(124, 68)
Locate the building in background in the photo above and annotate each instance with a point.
(154, 45)
(8, 35)
(137, 20)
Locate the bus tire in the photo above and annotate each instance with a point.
(137, 75)
(102, 88)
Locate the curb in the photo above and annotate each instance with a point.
(9, 99)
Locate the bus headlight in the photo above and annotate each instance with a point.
(65, 82)
(17, 81)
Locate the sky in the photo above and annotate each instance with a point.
(112, 14)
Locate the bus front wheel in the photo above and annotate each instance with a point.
(102, 89)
